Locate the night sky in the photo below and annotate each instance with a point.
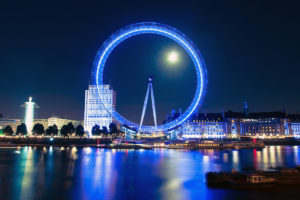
(251, 51)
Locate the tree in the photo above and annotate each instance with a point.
(8, 130)
(55, 130)
(21, 129)
(70, 128)
(38, 129)
(105, 131)
(64, 130)
(96, 130)
(52, 130)
(79, 130)
(49, 130)
(113, 128)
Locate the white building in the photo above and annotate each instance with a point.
(96, 110)
(13, 123)
(59, 122)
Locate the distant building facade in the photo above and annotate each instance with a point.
(98, 111)
(44, 122)
(237, 124)
(205, 125)
(59, 122)
(13, 123)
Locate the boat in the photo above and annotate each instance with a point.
(254, 178)
(247, 145)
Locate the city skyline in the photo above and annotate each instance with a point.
(163, 99)
(241, 68)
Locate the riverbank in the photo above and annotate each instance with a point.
(125, 144)
(56, 141)
(14, 141)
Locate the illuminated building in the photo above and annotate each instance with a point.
(242, 124)
(295, 125)
(205, 125)
(296, 129)
(270, 124)
(59, 122)
(13, 123)
(29, 114)
(44, 122)
(98, 111)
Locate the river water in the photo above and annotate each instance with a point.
(92, 173)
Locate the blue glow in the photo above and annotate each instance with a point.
(167, 31)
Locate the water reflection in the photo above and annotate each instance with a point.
(27, 180)
(89, 173)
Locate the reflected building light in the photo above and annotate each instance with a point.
(235, 159)
(225, 157)
(258, 156)
(272, 155)
(74, 149)
(296, 156)
(98, 172)
(278, 154)
(27, 180)
(113, 151)
(175, 185)
(74, 153)
(205, 159)
(107, 166)
(87, 150)
(51, 149)
(255, 158)
(265, 158)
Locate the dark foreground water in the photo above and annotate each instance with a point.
(91, 173)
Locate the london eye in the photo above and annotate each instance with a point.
(169, 32)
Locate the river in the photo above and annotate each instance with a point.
(94, 173)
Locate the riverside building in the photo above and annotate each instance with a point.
(98, 111)
(205, 125)
(242, 124)
(59, 122)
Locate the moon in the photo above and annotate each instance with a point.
(173, 57)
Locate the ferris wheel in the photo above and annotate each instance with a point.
(169, 32)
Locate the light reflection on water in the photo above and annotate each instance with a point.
(89, 173)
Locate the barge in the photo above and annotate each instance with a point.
(254, 178)
(215, 145)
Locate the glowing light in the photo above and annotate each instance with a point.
(159, 29)
(29, 113)
(173, 57)
(235, 157)
(88, 150)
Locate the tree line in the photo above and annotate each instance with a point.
(66, 130)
